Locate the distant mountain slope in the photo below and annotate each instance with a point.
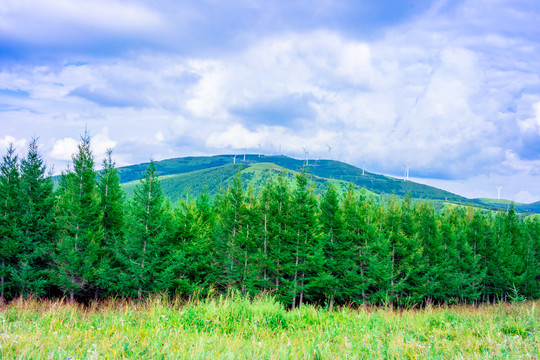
(502, 204)
(193, 175)
(328, 169)
(216, 179)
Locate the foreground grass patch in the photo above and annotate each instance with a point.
(237, 328)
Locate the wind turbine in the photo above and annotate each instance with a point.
(259, 150)
(234, 160)
(406, 175)
(306, 152)
(363, 167)
(499, 192)
(329, 151)
(245, 153)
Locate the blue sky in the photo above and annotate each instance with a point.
(450, 88)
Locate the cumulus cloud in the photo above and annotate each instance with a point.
(18, 144)
(64, 149)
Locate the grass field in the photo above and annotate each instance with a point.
(237, 328)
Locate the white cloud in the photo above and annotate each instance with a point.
(532, 124)
(18, 144)
(64, 149)
(60, 21)
(101, 143)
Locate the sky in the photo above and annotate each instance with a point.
(450, 89)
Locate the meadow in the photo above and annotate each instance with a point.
(235, 327)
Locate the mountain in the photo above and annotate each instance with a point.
(190, 176)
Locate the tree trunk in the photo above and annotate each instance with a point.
(265, 251)
(2, 299)
(296, 272)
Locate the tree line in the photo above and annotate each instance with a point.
(83, 239)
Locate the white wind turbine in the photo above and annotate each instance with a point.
(245, 153)
(259, 149)
(234, 160)
(363, 167)
(306, 152)
(499, 192)
(329, 151)
(406, 175)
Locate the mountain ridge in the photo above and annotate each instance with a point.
(194, 174)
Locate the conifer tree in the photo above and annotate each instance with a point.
(144, 250)
(231, 229)
(111, 204)
(359, 237)
(10, 211)
(200, 255)
(334, 260)
(38, 226)
(276, 238)
(303, 226)
(79, 217)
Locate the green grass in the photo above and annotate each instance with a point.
(237, 328)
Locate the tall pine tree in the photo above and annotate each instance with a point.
(38, 225)
(144, 250)
(10, 212)
(79, 217)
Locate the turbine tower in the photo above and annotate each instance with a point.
(259, 149)
(363, 167)
(234, 160)
(306, 152)
(329, 151)
(245, 153)
(499, 192)
(406, 175)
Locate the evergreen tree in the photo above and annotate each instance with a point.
(10, 211)
(276, 238)
(79, 217)
(144, 250)
(231, 228)
(334, 260)
(531, 257)
(111, 204)
(192, 245)
(359, 219)
(38, 225)
(303, 226)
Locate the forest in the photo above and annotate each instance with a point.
(84, 239)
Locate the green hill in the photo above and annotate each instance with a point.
(190, 176)
(215, 179)
(325, 169)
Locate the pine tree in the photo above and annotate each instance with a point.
(79, 217)
(38, 224)
(111, 204)
(334, 261)
(10, 211)
(231, 229)
(144, 250)
(303, 226)
(276, 237)
(359, 219)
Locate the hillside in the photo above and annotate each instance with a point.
(215, 179)
(190, 176)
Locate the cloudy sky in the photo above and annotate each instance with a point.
(450, 88)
